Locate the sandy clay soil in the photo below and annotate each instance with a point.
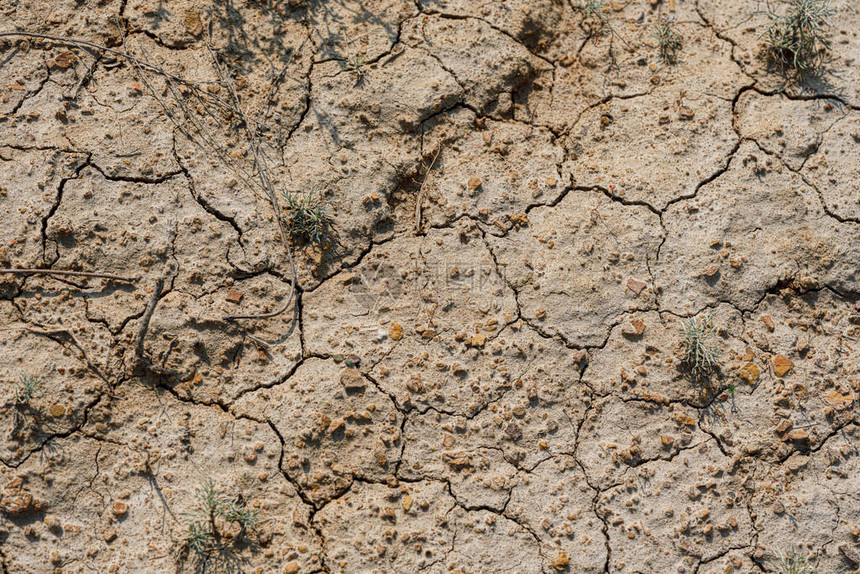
(479, 364)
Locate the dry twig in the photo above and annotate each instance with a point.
(262, 171)
(420, 195)
(69, 273)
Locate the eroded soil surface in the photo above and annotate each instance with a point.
(481, 369)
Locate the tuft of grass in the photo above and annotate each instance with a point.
(669, 40)
(308, 216)
(791, 563)
(590, 8)
(700, 345)
(212, 524)
(356, 67)
(798, 38)
(27, 388)
(198, 540)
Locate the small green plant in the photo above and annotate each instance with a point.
(27, 388)
(308, 216)
(699, 344)
(669, 40)
(356, 67)
(216, 524)
(791, 563)
(798, 40)
(590, 8)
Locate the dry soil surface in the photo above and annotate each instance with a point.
(482, 367)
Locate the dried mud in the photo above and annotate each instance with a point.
(481, 368)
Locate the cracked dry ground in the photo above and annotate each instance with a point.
(484, 373)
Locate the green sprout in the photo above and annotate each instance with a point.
(791, 563)
(308, 216)
(668, 40)
(212, 523)
(799, 39)
(356, 67)
(27, 388)
(699, 344)
(590, 8)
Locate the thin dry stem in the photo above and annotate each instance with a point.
(263, 174)
(420, 195)
(69, 273)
